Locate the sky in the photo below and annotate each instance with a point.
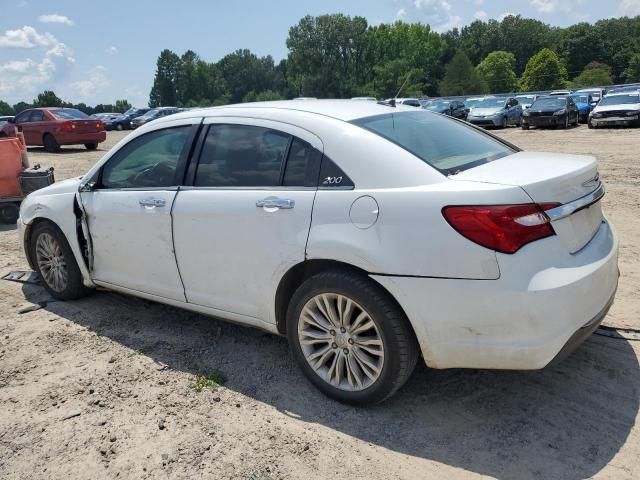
(100, 51)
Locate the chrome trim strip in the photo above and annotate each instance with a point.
(563, 211)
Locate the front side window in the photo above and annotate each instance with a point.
(36, 116)
(445, 144)
(23, 117)
(242, 156)
(147, 161)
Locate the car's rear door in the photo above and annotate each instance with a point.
(129, 211)
(245, 219)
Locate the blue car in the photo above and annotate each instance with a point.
(583, 101)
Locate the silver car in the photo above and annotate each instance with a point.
(496, 112)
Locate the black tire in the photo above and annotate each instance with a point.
(50, 143)
(577, 122)
(91, 146)
(525, 126)
(590, 125)
(504, 123)
(9, 212)
(119, 127)
(565, 125)
(401, 349)
(74, 288)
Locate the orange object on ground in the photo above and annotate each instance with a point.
(11, 164)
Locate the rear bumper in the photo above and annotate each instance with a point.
(521, 321)
(78, 138)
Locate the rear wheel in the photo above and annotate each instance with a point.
(9, 212)
(50, 143)
(91, 146)
(56, 263)
(350, 339)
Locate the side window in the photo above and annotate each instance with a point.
(147, 161)
(242, 156)
(23, 117)
(36, 116)
(302, 165)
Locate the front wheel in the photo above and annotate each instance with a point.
(9, 212)
(351, 340)
(55, 262)
(525, 126)
(504, 122)
(565, 125)
(590, 124)
(119, 127)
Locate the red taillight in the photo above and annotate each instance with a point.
(100, 125)
(504, 228)
(67, 126)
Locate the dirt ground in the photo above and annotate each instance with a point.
(103, 387)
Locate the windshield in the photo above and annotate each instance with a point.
(69, 114)
(437, 105)
(150, 114)
(491, 103)
(580, 98)
(550, 102)
(620, 99)
(445, 144)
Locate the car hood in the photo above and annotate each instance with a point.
(620, 106)
(65, 186)
(438, 110)
(485, 111)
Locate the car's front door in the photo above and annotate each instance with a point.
(245, 219)
(129, 212)
(22, 121)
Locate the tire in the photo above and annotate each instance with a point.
(577, 122)
(590, 125)
(48, 242)
(565, 125)
(91, 146)
(50, 143)
(9, 213)
(395, 360)
(119, 127)
(524, 126)
(504, 123)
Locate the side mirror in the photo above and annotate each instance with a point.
(87, 187)
(12, 120)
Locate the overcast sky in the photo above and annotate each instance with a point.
(99, 51)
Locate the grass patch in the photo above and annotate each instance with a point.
(139, 351)
(214, 379)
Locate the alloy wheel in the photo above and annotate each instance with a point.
(341, 342)
(51, 262)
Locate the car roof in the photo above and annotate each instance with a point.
(345, 110)
(625, 93)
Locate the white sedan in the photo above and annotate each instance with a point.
(367, 234)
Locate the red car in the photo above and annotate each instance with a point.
(53, 127)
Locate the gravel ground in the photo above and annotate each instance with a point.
(104, 387)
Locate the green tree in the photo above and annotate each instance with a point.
(580, 44)
(461, 78)
(632, 72)
(244, 72)
(263, 96)
(327, 55)
(121, 106)
(164, 90)
(48, 99)
(544, 71)
(497, 72)
(5, 108)
(594, 74)
(20, 106)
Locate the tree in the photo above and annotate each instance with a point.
(48, 99)
(20, 106)
(121, 106)
(244, 72)
(5, 108)
(497, 72)
(264, 96)
(544, 71)
(461, 78)
(327, 55)
(164, 90)
(632, 72)
(595, 74)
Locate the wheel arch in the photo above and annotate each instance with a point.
(300, 272)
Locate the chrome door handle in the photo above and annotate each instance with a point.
(152, 202)
(283, 203)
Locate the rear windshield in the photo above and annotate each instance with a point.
(620, 99)
(69, 114)
(447, 145)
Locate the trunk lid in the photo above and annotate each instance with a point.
(548, 178)
(87, 126)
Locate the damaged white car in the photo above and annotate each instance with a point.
(367, 234)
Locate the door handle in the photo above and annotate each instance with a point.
(282, 203)
(152, 202)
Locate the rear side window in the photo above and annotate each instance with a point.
(242, 156)
(445, 144)
(147, 161)
(302, 165)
